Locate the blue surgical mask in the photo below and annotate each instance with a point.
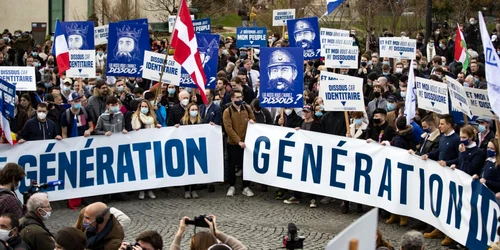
(491, 153)
(318, 114)
(390, 106)
(114, 109)
(37, 64)
(35, 54)
(358, 121)
(466, 85)
(188, 90)
(48, 85)
(217, 103)
(481, 128)
(193, 113)
(66, 88)
(77, 106)
(98, 78)
(426, 130)
(171, 91)
(100, 53)
(321, 107)
(465, 142)
(403, 94)
(386, 63)
(385, 73)
(120, 88)
(88, 227)
(144, 110)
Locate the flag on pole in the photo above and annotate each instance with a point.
(60, 49)
(331, 5)
(411, 100)
(492, 66)
(186, 48)
(6, 132)
(461, 54)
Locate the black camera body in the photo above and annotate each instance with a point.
(199, 221)
(129, 247)
(292, 240)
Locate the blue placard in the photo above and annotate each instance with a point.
(8, 95)
(79, 35)
(208, 45)
(202, 25)
(126, 46)
(135, 21)
(251, 37)
(304, 33)
(281, 77)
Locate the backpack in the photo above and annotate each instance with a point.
(68, 114)
(228, 105)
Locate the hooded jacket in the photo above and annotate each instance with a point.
(429, 143)
(404, 138)
(36, 130)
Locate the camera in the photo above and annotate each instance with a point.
(292, 240)
(199, 221)
(129, 247)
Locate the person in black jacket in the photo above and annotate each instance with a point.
(430, 137)
(490, 175)
(39, 127)
(176, 113)
(309, 123)
(290, 120)
(379, 130)
(485, 134)
(471, 158)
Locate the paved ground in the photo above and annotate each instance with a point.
(259, 222)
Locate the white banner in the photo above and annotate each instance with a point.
(341, 92)
(171, 22)
(363, 229)
(81, 64)
(432, 95)
(479, 102)
(374, 175)
(139, 160)
(398, 47)
(458, 97)
(330, 42)
(152, 68)
(345, 56)
(22, 77)
(101, 35)
(281, 16)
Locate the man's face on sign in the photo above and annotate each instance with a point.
(125, 45)
(304, 38)
(281, 77)
(75, 41)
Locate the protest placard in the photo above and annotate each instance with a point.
(304, 33)
(398, 47)
(251, 37)
(101, 35)
(432, 95)
(153, 63)
(458, 97)
(23, 78)
(345, 56)
(171, 22)
(281, 16)
(480, 103)
(81, 64)
(7, 97)
(341, 92)
(202, 25)
(79, 35)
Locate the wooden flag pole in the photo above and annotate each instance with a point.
(353, 244)
(281, 116)
(162, 72)
(346, 117)
(465, 119)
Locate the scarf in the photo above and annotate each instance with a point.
(148, 121)
(95, 239)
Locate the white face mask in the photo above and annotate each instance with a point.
(41, 115)
(5, 234)
(185, 102)
(46, 216)
(288, 111)
(399, 70)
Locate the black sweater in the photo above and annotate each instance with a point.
(35, 130)
(471, 160)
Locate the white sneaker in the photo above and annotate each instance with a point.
(312, 204)
(187, 195)
(326, 200)
(141, 195)
(292, 200)
(239, 173)
(230, 192)
(194, 195)
(151, 194)
(248, 192)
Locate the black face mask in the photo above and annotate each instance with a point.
(376, 94)
(40, 91)
(376, 120)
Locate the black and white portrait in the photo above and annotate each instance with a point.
(282, 70)
(127, 46)
(77, 35)
(304, 34)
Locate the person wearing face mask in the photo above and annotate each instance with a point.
(471, 157)
(66, 88)
(378, 101)
(160, 110)
(430, 138)
(97, 102)
(32, 229)
(176, 113)
(122, 92)
(290, 119)
(111, 121)
(10, 176)
(485, 134)
(102, 229)
(490, 174)
(430, 50)
(100, 58)
(472, 34)
(39, 127)
(79, 116)
(378, 129)
(211, 112)
(9, 232)
(20, 118)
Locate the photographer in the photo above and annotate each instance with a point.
(10, 176)
(204, 240)
(147, 240)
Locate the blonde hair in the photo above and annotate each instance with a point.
(79, 222)
(151, 113)
(187, 117)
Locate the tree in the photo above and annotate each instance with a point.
(161, 8)
(119, 11)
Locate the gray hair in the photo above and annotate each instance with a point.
(36, 200)
(412, 240)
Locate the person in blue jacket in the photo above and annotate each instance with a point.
(490, 176)
(447, 153)
(471, 157)
(210, 112)
(160, 110)
(39, 127)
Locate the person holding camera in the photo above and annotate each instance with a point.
(147, 240)
(10, 176)
(205, 240)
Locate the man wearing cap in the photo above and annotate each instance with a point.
(304, 34)
(77, 116)
(282, 71)
(39, 127)
(66, 88)
(379, 130)
(485, 134)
